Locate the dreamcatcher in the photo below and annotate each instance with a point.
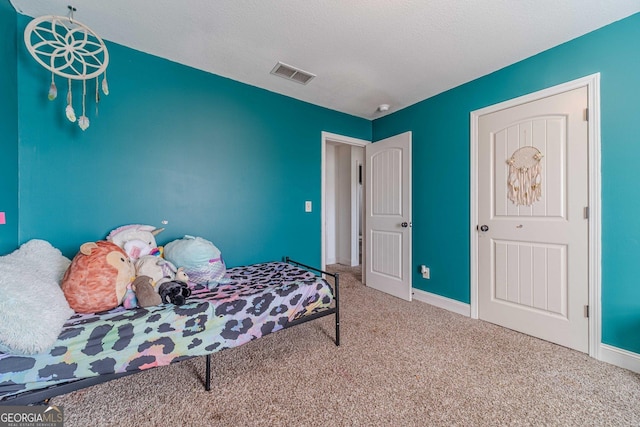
(71, 50)
(525, 176)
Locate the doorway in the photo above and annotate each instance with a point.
(342, 200)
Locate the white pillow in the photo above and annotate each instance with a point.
(33, 308)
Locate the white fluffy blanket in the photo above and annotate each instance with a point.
(33, 308)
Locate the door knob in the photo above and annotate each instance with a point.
(484, 228)
(404, 224)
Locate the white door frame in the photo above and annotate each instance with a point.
(592, 83)
(327, 137)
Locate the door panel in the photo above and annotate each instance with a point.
(387, 208)
(386, 194)
(533, 260)
(530, 275)
(387, 250)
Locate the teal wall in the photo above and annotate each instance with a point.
(440, 127)
(8, 128)
(216, 158)
(235, 164)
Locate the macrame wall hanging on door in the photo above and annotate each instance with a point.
(71, 50)
(525, 176)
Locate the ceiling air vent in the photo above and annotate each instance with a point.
(292, 73)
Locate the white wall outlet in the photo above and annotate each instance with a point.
(426, 272)
(307, 206)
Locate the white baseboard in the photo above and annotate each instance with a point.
(442, 302)
(619, 357)
(343, 261)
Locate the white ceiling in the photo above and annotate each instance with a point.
(364, 52)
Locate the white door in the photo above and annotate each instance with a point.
(388, 215)
(533, 259)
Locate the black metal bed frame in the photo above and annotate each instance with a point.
(42, 396)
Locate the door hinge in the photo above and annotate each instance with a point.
(586, 212)
(586, 114)
(586, 311)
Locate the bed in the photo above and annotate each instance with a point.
(250, 302)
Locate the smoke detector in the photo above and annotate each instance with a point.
(292, 73)
(383, 107)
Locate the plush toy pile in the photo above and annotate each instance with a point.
(129, 269)
(152, 271)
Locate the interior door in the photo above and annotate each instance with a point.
(533, 258)
(388, 215)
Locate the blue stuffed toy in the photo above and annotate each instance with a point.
(201, 260)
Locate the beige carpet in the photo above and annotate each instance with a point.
(400, 364)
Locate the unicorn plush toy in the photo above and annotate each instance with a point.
(136, 240)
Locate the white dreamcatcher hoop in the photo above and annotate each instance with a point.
(70, 50)
(525, 176)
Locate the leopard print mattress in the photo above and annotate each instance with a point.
(248, 303)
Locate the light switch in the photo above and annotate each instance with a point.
(3, 218)
(307, 206)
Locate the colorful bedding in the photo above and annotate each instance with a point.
(249, 302)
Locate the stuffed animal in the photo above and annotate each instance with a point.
(181, 275)
(145, 292)
(174, 292)
(136, 240)
(97, 278)
(201, 260)
(158, 269)
(130, 300)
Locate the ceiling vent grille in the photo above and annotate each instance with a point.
(292, 73)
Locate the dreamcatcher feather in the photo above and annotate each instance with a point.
(525, 176)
